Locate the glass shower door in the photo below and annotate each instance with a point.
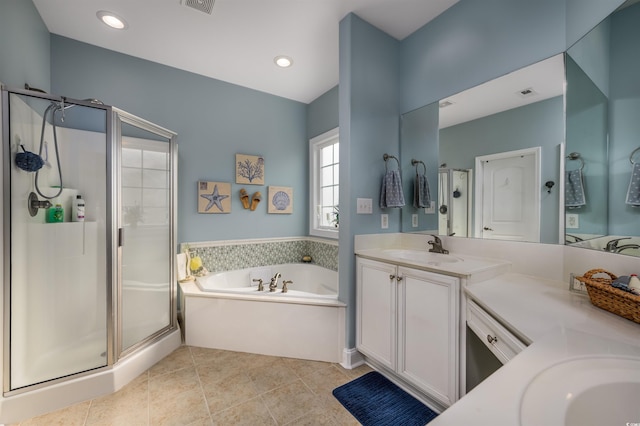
(58, 272)
(146, 221)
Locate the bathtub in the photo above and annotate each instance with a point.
(308, 282)
(226, 311)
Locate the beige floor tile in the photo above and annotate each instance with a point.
(271, 376)
(290, 402)
(201, 355)
(230, 391)
(331, 406)
(326, 380)
(317, 417)
(70, 416)
(178, 359)
(251, 413)
(181, 409)
(304, 367)
(165, 387)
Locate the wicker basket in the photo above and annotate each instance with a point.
(609, 298)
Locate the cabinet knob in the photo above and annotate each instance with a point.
(491, 339)
(399, 278)
(392, 277)
(486, 228)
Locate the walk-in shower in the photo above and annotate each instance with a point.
(83, 299)
(455, 202)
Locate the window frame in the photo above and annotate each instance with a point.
(315, 145)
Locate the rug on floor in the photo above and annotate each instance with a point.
(375, 401)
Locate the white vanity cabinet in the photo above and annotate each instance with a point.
(407, 322)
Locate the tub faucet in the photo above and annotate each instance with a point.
(284, 285)
(436, 245)
(273, 285)
(260, 285)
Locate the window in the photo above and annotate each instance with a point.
(145, 182)
(324, 166)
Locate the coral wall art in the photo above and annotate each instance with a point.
(249, 169)
(280, 199)
(214, 197)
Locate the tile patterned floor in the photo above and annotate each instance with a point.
(197, 387)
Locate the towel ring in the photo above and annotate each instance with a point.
(632, 154)
(385, 157)
(577, 156)
(415, 162)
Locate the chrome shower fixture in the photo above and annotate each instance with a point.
(34, 204)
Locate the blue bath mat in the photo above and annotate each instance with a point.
(375, 401)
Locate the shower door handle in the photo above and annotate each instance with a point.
(120, 237)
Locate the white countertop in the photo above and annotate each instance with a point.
(467, 267)
(560, 324)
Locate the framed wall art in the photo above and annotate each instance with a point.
(249, 169)
(280, 199)
(214, 197)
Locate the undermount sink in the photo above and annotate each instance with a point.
(422, 256)
(589, 391)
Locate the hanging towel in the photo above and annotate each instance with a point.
(574, 189)
(391, 192)
(633, 193)
(421, 193)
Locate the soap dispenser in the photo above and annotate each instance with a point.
(77, 212)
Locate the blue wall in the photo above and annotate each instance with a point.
(24, 46)
(369, 127)
(322, 113)
(214, 121)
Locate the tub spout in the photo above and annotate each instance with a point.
(273, 285)
(284, 285)
(260, 285)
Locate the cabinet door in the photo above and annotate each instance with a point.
(428, 332)
(376, 311)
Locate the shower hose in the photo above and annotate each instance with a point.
(53, 108)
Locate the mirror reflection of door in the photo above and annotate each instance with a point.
(508, 199)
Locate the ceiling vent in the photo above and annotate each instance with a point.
(205, 6)
(527, 93)
(445, 104)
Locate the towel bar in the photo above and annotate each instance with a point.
(415, 162)
(632, 154)
(385, 157)
(576, 156)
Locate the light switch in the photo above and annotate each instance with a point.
(572, 221)
(384, 221)
(431, 209)
(364, 206)
(414, 220)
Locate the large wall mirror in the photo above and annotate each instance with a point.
(498, 144)
(518, 120)
(603, 135)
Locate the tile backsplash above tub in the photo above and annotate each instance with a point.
(239, 254)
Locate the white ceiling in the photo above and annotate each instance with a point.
(545, 78)
(239, 40)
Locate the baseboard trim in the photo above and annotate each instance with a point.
(351, 359)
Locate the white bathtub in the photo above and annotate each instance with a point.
(308, 281)
(226, 311)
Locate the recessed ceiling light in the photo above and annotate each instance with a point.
(283, 61)
(112, 20)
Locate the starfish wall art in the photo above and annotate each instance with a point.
(214, 197)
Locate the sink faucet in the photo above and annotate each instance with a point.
(612, 246)
(627, 247)
(436, 245)
(273, 285)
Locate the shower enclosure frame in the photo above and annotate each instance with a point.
(114, 238)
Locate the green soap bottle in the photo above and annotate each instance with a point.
(55, 214)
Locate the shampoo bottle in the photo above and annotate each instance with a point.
(77, 212)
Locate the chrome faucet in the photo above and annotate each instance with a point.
(273, 285)
(627, 247)
(436, 245)
(260, 285)
(612, 246)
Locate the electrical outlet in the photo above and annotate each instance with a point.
(384, 221)
(364, 206)
(414, 220)
(572, 221)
